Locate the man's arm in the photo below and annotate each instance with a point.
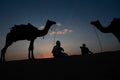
(90, 51)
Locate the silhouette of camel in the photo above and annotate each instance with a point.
(112, 28)
(25, 32)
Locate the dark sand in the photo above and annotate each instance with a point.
(98, 66)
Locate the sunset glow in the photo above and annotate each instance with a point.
(73, 26)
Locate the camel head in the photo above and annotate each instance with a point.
(95, 22)
(51, 22)
(115, 22)
(43, 32)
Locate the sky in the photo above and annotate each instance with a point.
(73, 27)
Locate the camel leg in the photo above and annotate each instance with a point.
(3, 51)
(31, 47)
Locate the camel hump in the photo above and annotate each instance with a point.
(23, 27)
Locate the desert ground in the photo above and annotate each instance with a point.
(97, 66)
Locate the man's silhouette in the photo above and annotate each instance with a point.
(58, 51)
(85, 50)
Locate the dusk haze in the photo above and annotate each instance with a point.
(73, 25)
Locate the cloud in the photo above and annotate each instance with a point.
(61, 32)
(58, 24)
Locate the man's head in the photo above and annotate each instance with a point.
(58, 43)
(84, 45)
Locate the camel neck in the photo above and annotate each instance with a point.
(102, 29)
(45, 30)
(47, 27)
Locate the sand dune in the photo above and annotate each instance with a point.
(96, 66)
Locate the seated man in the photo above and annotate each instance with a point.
(58, 51)
(85, 50)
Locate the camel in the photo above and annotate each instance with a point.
(25, 32)
(112, 28)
